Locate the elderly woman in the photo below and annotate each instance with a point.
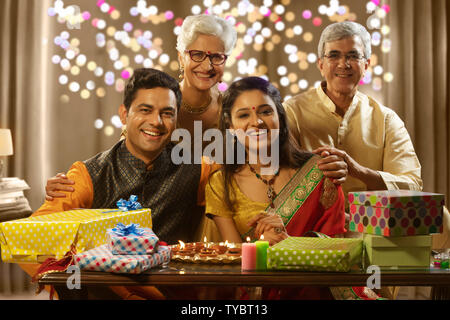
(203, 45)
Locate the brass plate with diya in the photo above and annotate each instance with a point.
(207, 252)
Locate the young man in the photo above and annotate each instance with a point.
(141, 163)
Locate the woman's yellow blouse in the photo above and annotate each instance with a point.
(244, 207)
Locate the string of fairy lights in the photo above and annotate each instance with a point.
(130, 39)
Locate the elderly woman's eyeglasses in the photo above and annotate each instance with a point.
(334, 57)
(216, 59)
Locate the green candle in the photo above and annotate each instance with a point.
(261, 253)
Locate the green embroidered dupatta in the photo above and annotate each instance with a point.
(290, 199)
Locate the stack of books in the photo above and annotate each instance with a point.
(13, 204)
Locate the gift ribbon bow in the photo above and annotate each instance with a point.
(132, 229)
(131, 204)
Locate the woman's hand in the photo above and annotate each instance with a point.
(60, 182)
(274, 236)
(269, 225)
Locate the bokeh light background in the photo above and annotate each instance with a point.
(96, 44)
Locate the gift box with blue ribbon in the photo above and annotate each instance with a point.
(102, 259)
(131, 239)
(34, 239)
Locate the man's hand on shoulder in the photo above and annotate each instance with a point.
(371, 178)
(333, 165)
(60, 182)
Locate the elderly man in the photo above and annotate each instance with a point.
(338, 118)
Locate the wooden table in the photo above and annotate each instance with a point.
(184, 274)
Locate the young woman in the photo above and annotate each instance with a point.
(295, 199)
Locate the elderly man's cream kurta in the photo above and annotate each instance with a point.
(369, 132)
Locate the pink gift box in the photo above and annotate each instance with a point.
(102, 259)
(132, 244)
(396, 212)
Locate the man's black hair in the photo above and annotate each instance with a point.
(147, 78)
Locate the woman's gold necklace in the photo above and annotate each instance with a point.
(198, 110)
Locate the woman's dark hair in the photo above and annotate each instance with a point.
(147, 78)
(290, 155)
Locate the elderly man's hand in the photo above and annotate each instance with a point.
(332, 164)
(353, 167)
(371, 178)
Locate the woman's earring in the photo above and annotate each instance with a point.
(181, 75)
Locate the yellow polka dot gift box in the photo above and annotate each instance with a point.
(34, 239)
(315, 254)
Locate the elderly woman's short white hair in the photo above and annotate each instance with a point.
(342, 30)
(209, 25)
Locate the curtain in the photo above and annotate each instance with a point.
(25, 89)
(420, 94)
(420, 90)
(24, 101)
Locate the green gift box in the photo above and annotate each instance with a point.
(401, 252)
(315, 254)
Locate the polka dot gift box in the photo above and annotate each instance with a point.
(131, 239)
(315, 254)
(36, 238)
(102, 259)
(396, 212)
